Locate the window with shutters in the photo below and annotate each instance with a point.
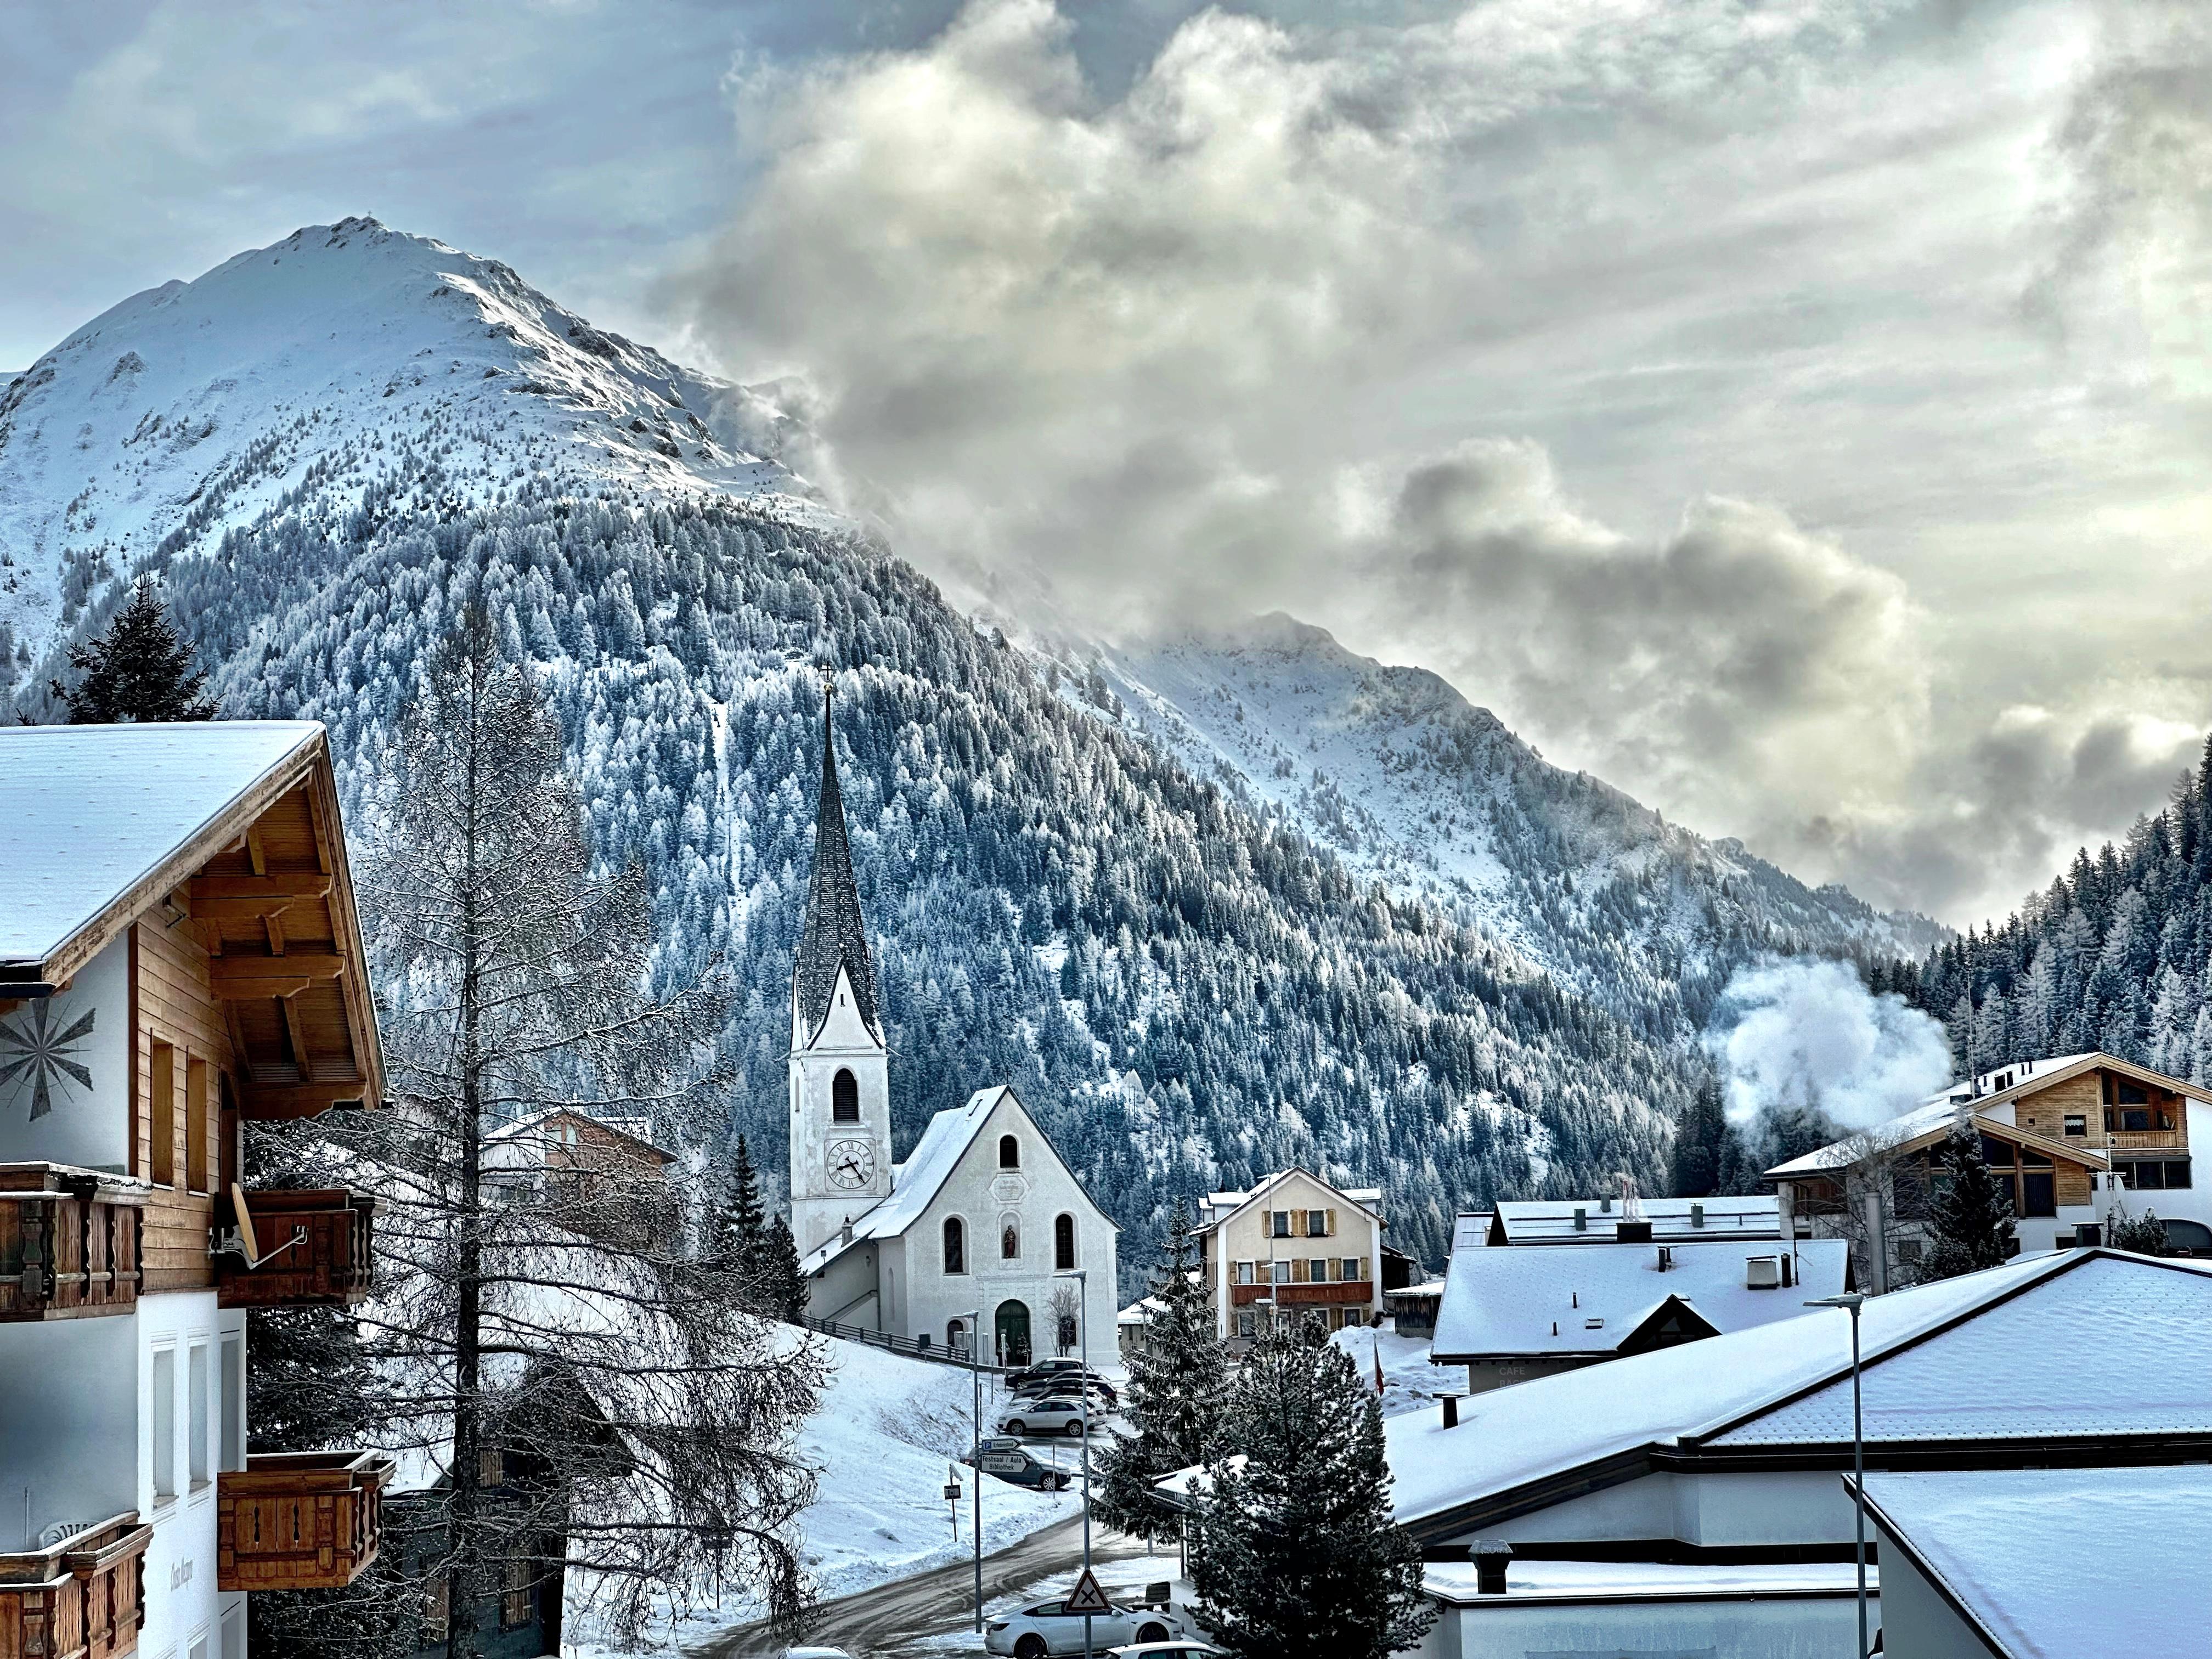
(1280, 1222)
(1317, 1270)
(437, 1604)
(515, 1597)
(1317, 1223)
(1299, 1271)
(161, 1136)
(1241, 1273)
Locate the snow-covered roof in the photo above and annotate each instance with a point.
(1589, 1301)
(916, 1182)
(91, 812)
(1552, 1220)
(2002, 1354)
(1222, 1205)
(1932, 1117)
(1433, 1289)
(636, 1130)
(1989, 1540)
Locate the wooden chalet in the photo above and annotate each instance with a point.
(180, 954)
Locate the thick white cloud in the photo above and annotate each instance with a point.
(1798, 1035)
(1430, 328)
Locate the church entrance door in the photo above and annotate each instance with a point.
(1013, 1334)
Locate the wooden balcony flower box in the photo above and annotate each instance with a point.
(297, 1249)
(69, 1242)
(1355, 1290)
(297, 1521)
(82, 1597)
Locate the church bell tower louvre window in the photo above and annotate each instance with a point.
(1010, 1152)
(845, 1098)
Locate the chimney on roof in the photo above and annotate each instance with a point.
(1491, 1557)
(1451, 1410)
(1666, 1258)
(1697, 1215)
(1582, 1220)
(845, 1234)
(1633, 1232)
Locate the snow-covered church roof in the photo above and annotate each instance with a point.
(834, 936)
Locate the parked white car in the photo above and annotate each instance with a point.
(1059, 1415)
(1044, 1629)
(1172, 1650)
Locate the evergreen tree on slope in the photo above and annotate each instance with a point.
(1296, 1553)
(1708, 1154)
(141, 669)
(1970, 1212)
(1174, 1396)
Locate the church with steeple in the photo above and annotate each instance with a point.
(981, 1220)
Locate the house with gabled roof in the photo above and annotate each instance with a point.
(982, 1216)
(1512, 1314)
(180, 954)
(2073, 1138)
(1688, 1500)
(1293, 1246)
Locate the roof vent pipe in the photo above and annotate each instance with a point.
(1451, 1410)
(1491, 1557)
(1666, 1258)
(1697, 1215)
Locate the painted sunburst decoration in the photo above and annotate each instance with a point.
(39, 1055)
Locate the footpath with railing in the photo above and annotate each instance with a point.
(914, 1348)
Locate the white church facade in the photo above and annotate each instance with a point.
(983, 1222)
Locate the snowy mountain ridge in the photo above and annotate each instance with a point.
(1214, 905)
(194, 406)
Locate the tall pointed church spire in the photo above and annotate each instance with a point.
(834, 936)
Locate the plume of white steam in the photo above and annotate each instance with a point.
(1795, 1034)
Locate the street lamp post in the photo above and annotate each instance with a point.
(975, 1374)
(1851, 1302)
(1082, 1277)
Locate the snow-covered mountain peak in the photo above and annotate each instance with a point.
(362, 355)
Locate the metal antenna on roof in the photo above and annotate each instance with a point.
(1631, 1210)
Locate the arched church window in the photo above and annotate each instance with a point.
(1010, 1238)
(845, 1098)
(1010, 1152)
(956, 1246)
(1063, 1244)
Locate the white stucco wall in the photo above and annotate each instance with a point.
(183, 1605)
(920, 1298)
(1921, 1624)
(819, 1206)
(1826, 1628)
(1789, 1507)
(91, 1129)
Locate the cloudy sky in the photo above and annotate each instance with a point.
(1795, 411)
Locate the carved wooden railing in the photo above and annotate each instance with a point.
(69, 1242)
(81, 1597)
(299, 1520)
(298, 1249)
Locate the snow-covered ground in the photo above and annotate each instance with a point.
(888, 1429)
(1126, 1579)
(1410, 1383)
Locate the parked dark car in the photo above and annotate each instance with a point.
(1038, 1381)
(1006, 1459)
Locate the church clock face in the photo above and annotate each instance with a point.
(851, 1164)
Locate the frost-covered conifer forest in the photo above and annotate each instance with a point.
(1213, 906)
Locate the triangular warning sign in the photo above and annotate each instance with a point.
(1086, 1596)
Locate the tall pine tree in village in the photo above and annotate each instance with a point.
(615, 1424)
(1174, 1402)
(1707, 1156)
(1969, 1211)
(756, 1250)
(139, 669)
(1295, 1552)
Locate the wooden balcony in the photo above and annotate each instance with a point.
(1359, 1291)
(69, 1242)
(83, 1597)
(2145, 1140)
(294, 1521)
(298, 1250)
